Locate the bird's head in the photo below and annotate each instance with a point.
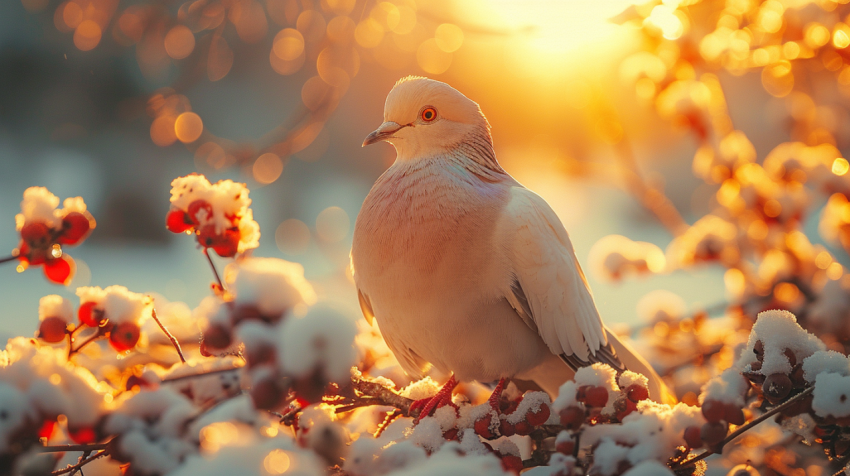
(423, 118)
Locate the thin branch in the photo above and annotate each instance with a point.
(744, 428)
(81, 463)
(6, 259)
(202, 374)
(66, 448)
(212, 265)
(169, 335)
(86, 342)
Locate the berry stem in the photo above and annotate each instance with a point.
(169, 335)
(744, 428)
(212, 265)
(72, 351)
(65, 448)
(201, 374)
(82, 463)
(6, 259)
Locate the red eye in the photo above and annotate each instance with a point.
(429, 114)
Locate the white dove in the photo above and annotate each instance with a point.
(463, 267)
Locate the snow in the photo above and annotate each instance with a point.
(825, 361)
(254, 456)
(39, 205)
(446, 416)
(469, 414)
(607, 457)
(504, 446)
(566, 397)
(531, 403)
(471, 444)
(778, 330)
(831, 396)
(16, 411)
(324, 338)
(600, 375)
(162, 411)
(362, 455)
(427, 434)
(401, 455)
(54, 305)
(118, 303)
(153, 456)
(420, 389)
(728, 387)
(650, 468)
(448, 462)
(629, 378)
(273, 285)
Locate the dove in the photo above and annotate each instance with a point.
(465, 269)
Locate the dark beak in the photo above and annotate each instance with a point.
(382, 133)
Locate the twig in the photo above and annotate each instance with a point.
(201, 374)
(6, 259)
(81, 463)
(212, 265)
(65, 448)
(86, 342)
(169, 335)
(365, 393)
(742, 429)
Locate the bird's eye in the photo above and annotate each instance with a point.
(429, 114)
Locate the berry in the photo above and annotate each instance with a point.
(506, 428)
(482, 427)
(311, 387)
(260, 354)
(227, 245)
(512, 463)
(628, 407)
(572, 417)
(597, 397)
(713, 410)
(758, 349)
(451, 434)
(36, 234)
(792, 358)
(177, 221)
(46, 429)
(523, 427)
(692, 437)
(540, 416)
(217, 336)
(637, 393)
(75, 226)
(733, 414)
(196, 207)
(124, 336)
(59, 270)
(52, 329)
(581, 393)
(89, 315)
(776, 387)
(713, 433)
(566, 447)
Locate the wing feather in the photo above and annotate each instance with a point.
(550, 286)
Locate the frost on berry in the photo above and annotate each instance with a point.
(218, 214)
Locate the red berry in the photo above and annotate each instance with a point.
(227, 245)
(512, 463)
(566, 447)
(451, 434)
(713, 410)
(310, 388)
(124, 336)
(52, 329)
(82, 436)
(572, 417)
(713, 433)
(637, 393)
(260, 354)
(597, 397)
(776, 387)
(177, 221)
(629, 407)
(692, 437)
(581, 393)
(540, 416)
(89, 315)
(217, 336)
(60, 270)
(482, 427)
(46, 429)
(523, 427)
(506, 428)
(733, 414)
(36, 234)
(75, 226)
(194, 211)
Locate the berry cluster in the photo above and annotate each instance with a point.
(44, 229)
(217, 214)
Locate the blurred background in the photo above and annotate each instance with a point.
(110, 100)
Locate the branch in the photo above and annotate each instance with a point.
(81, 463)
(366, 393)
(201, 374)
(744, 428)
(212, 265)
(64, 448)
(169, 335)
(6, 259)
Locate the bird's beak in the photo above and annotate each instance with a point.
(383, 132)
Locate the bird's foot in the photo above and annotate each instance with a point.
(442, 398)
(497, 395)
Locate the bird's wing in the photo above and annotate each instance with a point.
(549, 290)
